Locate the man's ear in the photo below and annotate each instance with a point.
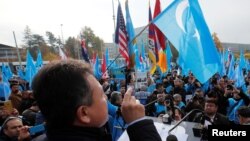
(5, 131)
(82, 115)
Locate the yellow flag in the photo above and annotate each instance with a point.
(153, 59)
(162, 63)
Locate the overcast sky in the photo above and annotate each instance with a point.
(230, 19)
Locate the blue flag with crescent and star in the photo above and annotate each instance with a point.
(182, 22)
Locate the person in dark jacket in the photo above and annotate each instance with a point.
(211, 114)
(75, 107)
(210, 117)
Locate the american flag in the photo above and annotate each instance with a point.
(84, 50)
(121, 37)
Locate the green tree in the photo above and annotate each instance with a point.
(52, 40)
(27, 37)
(72, 47)
(93, 42)
(36, 42)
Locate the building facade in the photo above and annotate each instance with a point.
(9, 53)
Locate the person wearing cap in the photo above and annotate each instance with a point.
(244, 115)
(14, 130)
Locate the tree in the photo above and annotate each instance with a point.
(51, 56)
(72, 47)
(217, 42)
(36, 42)
(93, 42)
(52, 40)
(27, 37)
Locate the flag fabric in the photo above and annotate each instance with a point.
(104, 67)
(138, 64)
(84, 50)
(6, 73)
(107, 57)
(160, 41)
(242, 59)
(5, 85)
(226, 55)
(132, 46)
(159, 35)
(229, 57)
(239, 77)
(169, 56)
(222, 66)
(248, 65)
(96, 68)
(20, 73)
(39, 60)
(153, 50)
(30, 68)
(184, 25)
(62, 55)
(5, 90)
(162, 63)
(121, 37)
(184, 69)
(143, 58)
(231, 72)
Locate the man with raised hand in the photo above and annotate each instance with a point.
(74, 105)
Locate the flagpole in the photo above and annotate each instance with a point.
(62, 34)
(129, 42)
(113, 13)
(18, 53)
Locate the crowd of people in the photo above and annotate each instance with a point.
(73, 105)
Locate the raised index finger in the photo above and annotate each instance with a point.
(127, 95)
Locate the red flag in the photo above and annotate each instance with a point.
(160, 41)
(160, 35)
(104, 67)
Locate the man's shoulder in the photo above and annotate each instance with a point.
(219, 115)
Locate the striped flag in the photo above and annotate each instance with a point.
(121, 37)
(153, 50)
